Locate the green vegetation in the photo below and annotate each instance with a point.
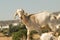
(19, 32)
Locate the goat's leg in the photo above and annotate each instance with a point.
(28, 35)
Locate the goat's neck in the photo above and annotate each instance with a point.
(25, 19)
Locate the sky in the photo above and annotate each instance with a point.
(8, 7)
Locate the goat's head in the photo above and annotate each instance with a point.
(19, 13)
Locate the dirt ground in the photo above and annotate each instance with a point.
(5, 38)
(2, 37)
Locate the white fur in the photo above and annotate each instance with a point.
(47, 36)
(38, 21)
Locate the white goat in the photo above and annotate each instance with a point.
(48, 36)
(36, 21)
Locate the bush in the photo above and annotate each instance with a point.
(19, 32)
(16, 36)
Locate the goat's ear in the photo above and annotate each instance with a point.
(25, 13)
